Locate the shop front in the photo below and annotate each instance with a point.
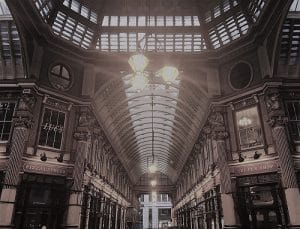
(260, 202)
(41, 201)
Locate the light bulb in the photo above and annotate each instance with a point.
(153, 183)
(138, 62)
(169, 74)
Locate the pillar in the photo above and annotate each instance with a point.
(217, 226)
(216, 121)
(82, 135)
(22, 124)
(278, 121)
(155, 217)
(145, 217)
(288, 175)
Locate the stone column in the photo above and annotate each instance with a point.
(82, 136)
(22, 124)
(288, 175)
(155, 217)
(217, 226)
(145, 217)
(278, 121)
(88, 207)
(216, 121)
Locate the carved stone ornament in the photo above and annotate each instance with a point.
(273, 102)
(26, 102)
(219, 135)
(23, 122)
(278, 121)
(82, 135)
(216, 119)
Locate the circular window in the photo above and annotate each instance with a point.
(240, 75)
(59, 77)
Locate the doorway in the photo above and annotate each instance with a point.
(261, 207)
(40, 204)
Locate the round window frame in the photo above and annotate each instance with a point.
(66, 66)
(229, 75)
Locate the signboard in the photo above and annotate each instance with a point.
(254, 168)
(43, 168)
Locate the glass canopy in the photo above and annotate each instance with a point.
(89, 28)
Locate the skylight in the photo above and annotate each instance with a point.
(151, 21)
(228, 30)
(128, 42)
(295, 6)
(79, 23)
(72, 30)
(256, 8)
(10, 45)
(44, 7)
(79, 8)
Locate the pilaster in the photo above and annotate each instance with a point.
(278, 121)
(22, 123)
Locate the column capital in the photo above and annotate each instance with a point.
(23, 122)
(276, 121)
(23, 117)
(81, 135)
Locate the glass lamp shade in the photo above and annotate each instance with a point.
(139, 81)
(138, 62)
(169, 74)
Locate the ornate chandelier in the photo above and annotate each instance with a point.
(140, 78)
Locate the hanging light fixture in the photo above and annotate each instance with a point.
(169, 74)
(153, 183)
(152, 167)
(138, 62)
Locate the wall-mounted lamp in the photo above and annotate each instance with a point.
(256, 155)
(241, 159)
(43, 157)
(60, 158)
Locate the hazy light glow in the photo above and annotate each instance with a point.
(152, 169)
(244, 121)
(153, 183)
(139, 81)
(169, 74)
(138, 62)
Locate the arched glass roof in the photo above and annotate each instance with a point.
(157, 125)
(94, 27)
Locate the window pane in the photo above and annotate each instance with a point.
(249, 128)
(52, 128)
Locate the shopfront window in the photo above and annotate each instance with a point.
(249, 128)
(52, 128)
(293, 110)
(6, 115)
(260, 202)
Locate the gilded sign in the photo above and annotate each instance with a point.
(45, 169)
(255, 168)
